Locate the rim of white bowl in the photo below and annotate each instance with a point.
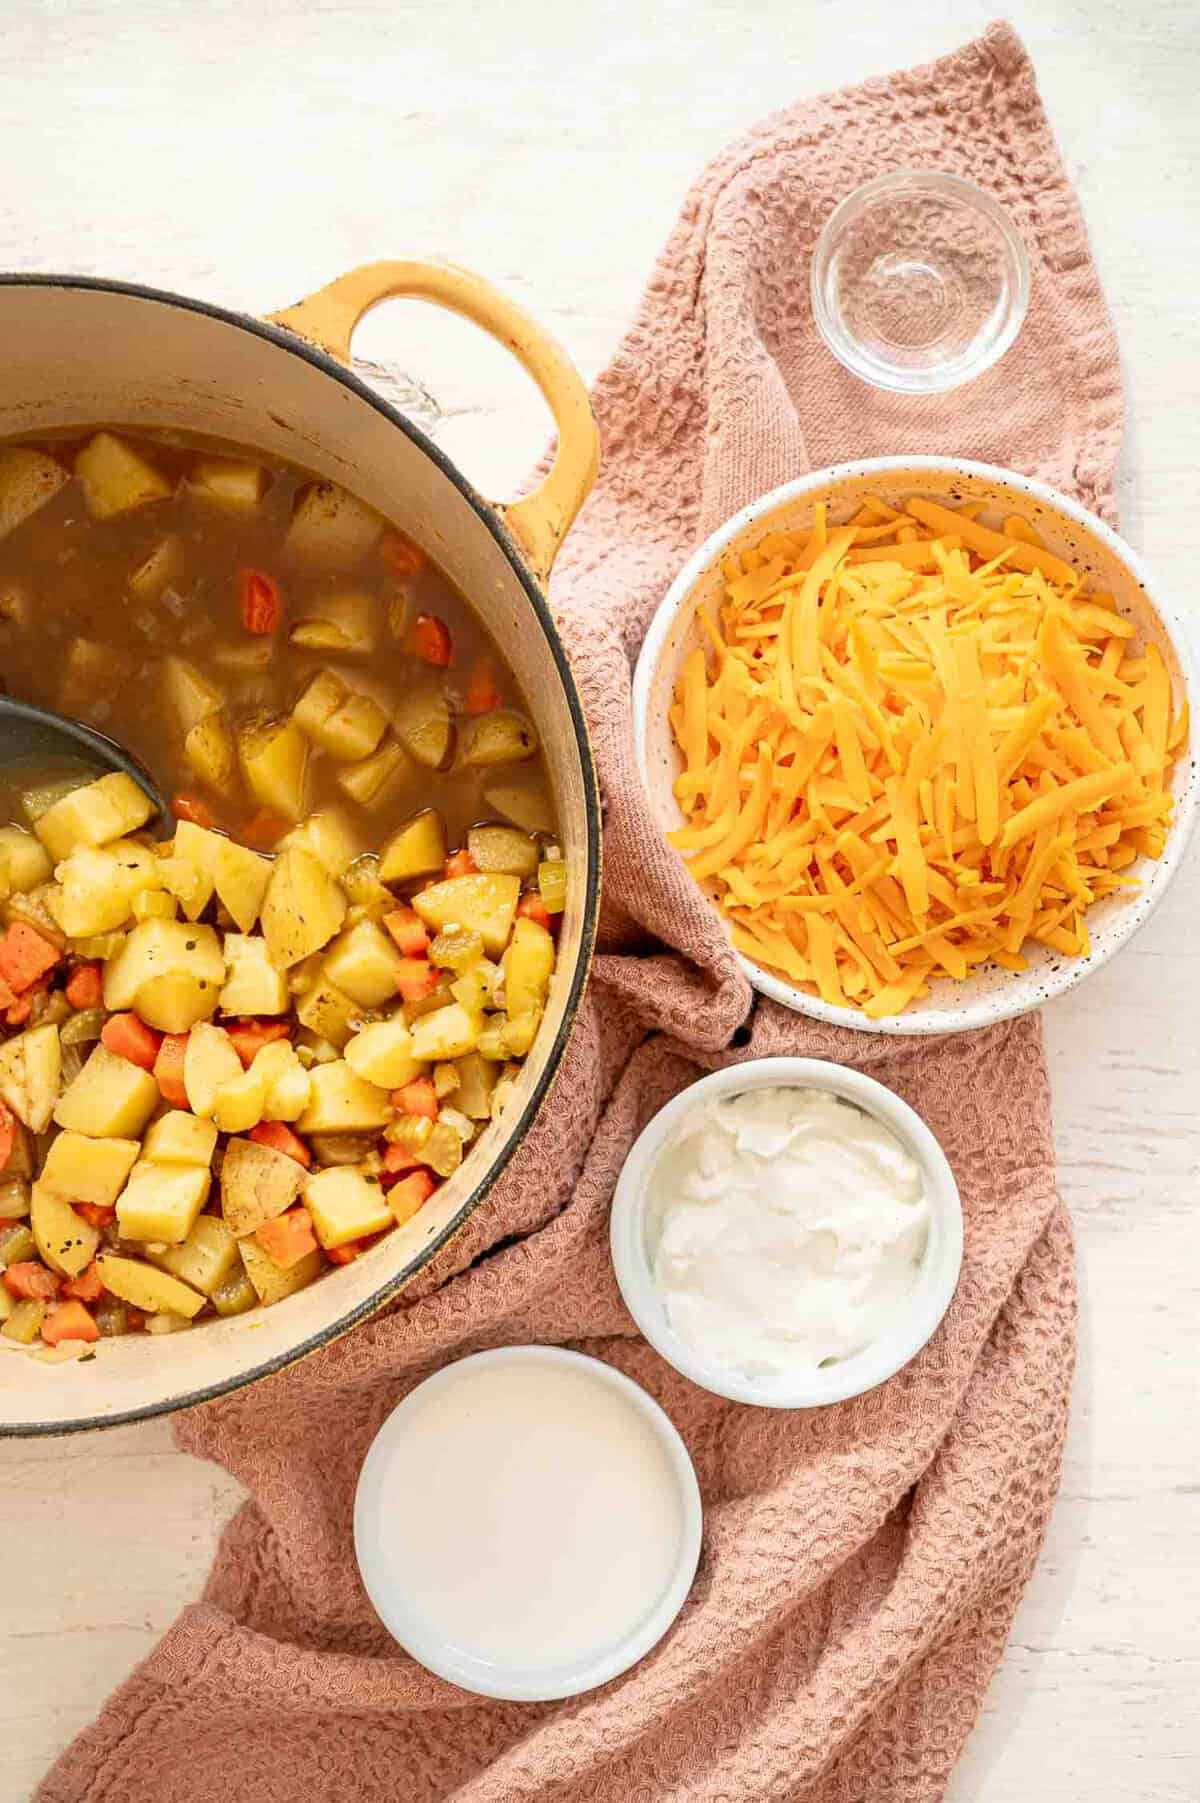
(959, 1016)
(849, 1377)
(485, 1677)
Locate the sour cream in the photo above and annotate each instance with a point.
(792, 1229)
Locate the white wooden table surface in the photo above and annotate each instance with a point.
(246, 154)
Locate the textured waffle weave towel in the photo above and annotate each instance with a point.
(861, 1563)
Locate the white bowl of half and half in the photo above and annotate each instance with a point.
(990, 992)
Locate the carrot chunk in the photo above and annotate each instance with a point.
(408, 931)
(461, 863)
(68, 1321)
(289, 1237)
(264, 829)
(345, 1255)
(128, 1037)
(410, 1194)
(30, 1281)
(85, 986)
(279, 1136)
(416, 978)
(87, 1287)
(25, 957)
(168, 1069)
(431, 640)
(483, 690)
(194, 809)
(532, 907)
(417, 1097)
(97, 1214)
(401, 556)
(250, 1036)
(259, 602)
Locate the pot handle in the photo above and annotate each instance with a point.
(540, 521)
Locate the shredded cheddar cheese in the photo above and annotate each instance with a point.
(912, 744)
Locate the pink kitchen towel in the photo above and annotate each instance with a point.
(861, 1563)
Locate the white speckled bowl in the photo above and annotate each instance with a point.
(990, 993)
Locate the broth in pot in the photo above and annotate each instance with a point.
(233, 1059)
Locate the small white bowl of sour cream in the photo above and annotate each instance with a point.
(787, 1232)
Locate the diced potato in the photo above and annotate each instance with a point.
(28, 479)
(177, 1138)
(162, 1201)
(518, 1034)
(503, 848)
(502, 737)
(286, 1084)
(331, 838)
(156, 573)
(341, 722)
(382, 1053)
(145, 1287)
(91, 669)
(331, 529)
(195, 848)
(328, 1010)
(94, 814)
(233, 482)
(448, 1032)
(176, 1001)
(109, 1099)
(275, 765)
(476, 1081)
(303, 908)
(271, 1282)
(235, 1293)
(374, 780)
(166, 948)
(65, 1240)
(257, 1183)
(476, 985)
(323, 696)
(115, 478)
(190, 695)
(241, 877)
(342, 1102)
(418, 848)
(528, 965)
(365, 964)
(210, 750)
(346, 622)
(206, 1259)
(98, 884)
(253, 985)
(210, 1060)
(30, 1069)
(89, 1170)
(239, 1102)
(487, 903)
(346, 1204)
(425, 726)
(24, 860)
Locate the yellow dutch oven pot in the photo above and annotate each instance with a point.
(79, 352)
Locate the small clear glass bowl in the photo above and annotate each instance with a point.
(919, 282)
